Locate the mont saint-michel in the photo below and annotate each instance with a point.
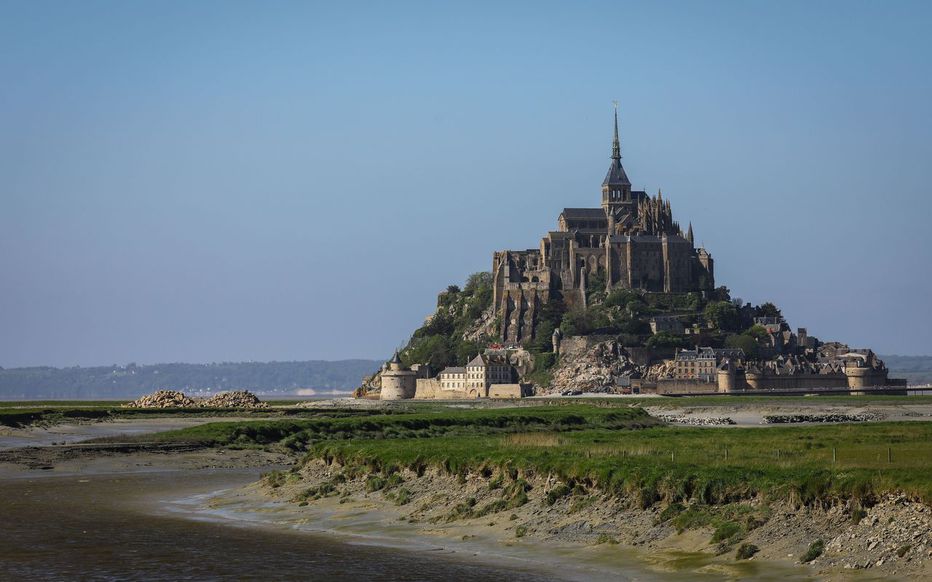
(399, 292)
(616, 299)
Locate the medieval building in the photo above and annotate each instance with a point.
(631, 242)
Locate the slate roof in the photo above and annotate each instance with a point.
(584, 213)
(453, 370)
(616, 175)
(476, 362)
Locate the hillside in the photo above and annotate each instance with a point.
(131, 380)
(916, 369)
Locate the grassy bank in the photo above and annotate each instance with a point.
(683, 465)
(301, 435)
(616, 451)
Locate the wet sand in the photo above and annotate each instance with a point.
(114, 527)
(11, 438)
(81, 512)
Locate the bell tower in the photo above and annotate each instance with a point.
(616, 188)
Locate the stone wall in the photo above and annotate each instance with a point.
(794, 381)
(672, 386)
(427, 388)
(505, 391)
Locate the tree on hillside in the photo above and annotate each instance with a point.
(767, 309)
(723, 314)
(745, 342)
(665, 339)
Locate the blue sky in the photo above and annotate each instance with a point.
(210, 181)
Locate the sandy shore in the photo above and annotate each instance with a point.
(585, 538)
(599, 537)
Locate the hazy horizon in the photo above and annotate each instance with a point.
(234, 181)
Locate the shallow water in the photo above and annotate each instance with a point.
(74, 433)
(95, 528)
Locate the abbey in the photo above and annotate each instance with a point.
(631, 242)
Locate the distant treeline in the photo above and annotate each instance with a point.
(916, 369)
(131, 381)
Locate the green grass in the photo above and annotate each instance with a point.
(615, 451)
(790, 462)
(300, 434)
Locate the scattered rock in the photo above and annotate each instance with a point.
(236, 399)
(831, 417)
(164, 399)
(695, 420)
(176, 399)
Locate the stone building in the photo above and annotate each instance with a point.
(397, 382)
(848, 369)
(702, 363)
(476, 379)
(630, 242)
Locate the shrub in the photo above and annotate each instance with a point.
(374, 483)
(857, 515)
(402, 496)
(726, 531)
(815, 550)
(671, 511)
(557, 493)
(520, 531)
(903, 550)
(746, 551)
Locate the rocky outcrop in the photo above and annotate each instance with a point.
(591, 365)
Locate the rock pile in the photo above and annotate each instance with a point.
(660, 371)
(237, 399)
(831, 417)
(176, 399)
(164, 399)
(895, 532)
(695, 420)
(593, 370)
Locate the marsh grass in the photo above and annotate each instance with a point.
(538, 439)
(614, 451)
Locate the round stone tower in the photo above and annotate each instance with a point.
(727, 376)
(397, 382)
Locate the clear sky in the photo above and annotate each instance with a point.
(216, 181)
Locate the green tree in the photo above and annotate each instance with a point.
(757, 331)
(621, 298)
(745, 342)
(595, 288)
(478, 282)
(723, 314)
(767, 309)
(665, 339)
(466, 350)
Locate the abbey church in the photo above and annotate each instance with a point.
(631, 242)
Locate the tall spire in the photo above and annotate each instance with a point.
(689, 234)
(616, 145)
(616, 180)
